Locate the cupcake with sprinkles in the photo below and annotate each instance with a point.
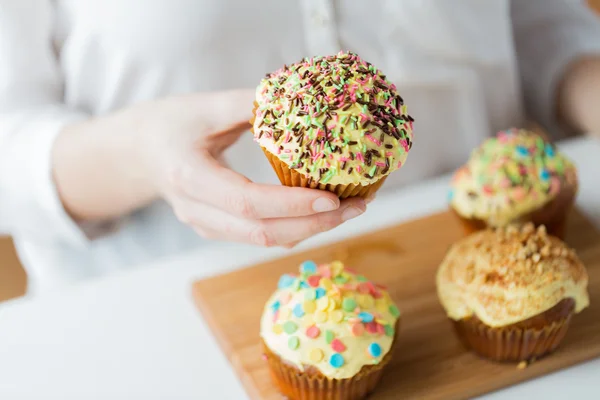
(327, 333)
(332, 123)
(515, 177)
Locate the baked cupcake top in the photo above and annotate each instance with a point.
(335, 119)
(508, 275)
(510, 175)
(330, 318)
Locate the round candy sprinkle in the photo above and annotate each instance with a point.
(336, 316)
(290, 327)
(336, 268)
(285, 298)
(380, 329)
(313, 280)
(361, 278)
(316, 355)
(338, 346)
(374, 350)
(329, 336)
(310, 294)
(326, 283)
(336, 360)
(308, 267)
(372, 327)
(394, 311)
(285, 281)
(366, 301)
(389, 331)
(310, 306)
(313, 332)
(304, 285)
(320, 316)
(323, 303)
(364, 287)
(293, 342)
(333, 303)
(340, 279)
(522, 151)
(358, 329)
(275, 306)
(549, 150)
(298, 311)
(365, 316)
(320, 292)
(277, 329)
(349, 304)
(450, 195)
(275, 315)
(544, 175)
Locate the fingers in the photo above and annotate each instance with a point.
(238, 196)
(225, 109)
(216, 224)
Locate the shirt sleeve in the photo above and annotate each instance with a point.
(549, 35)
(32, 113)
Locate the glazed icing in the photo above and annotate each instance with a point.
(331, 318)
(335, 119)
(509, 176)
(510, 275)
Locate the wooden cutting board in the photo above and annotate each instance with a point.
(429, 362)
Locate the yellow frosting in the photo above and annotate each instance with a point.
(510, 275)
(330, 318)
(509, 176)
(335, 119)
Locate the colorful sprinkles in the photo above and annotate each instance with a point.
(335, 316)
(332, 116)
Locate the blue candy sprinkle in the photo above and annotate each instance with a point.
(298, 311)
(545, 175)
(308, 267)
(365, 317)
(320, 292)
(336, 360)
(549, 150)
(304, 285)
(275, 306)
(522, 151)
(285, 281)
(450, 195)
(374, 350)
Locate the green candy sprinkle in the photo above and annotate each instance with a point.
(290, 327)
(394, 311)
(310, 294)
(293, 342)
(389, 331)
(329, 336)
(349, 304)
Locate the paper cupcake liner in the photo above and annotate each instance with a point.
(512, 343)
(554, 216)
(310, 384)
(290, 177)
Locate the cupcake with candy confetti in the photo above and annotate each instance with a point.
(515, 177)
(328, 333)
(511, 292)
(333, 123)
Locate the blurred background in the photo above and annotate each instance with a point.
(12, 277)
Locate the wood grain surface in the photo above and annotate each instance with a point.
(429, 363)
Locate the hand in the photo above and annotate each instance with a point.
(218, 202)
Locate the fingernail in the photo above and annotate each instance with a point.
(323, 204)
(351, 212)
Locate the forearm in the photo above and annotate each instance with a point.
(99, 170)
(579, 96)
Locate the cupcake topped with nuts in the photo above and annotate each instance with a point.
(516, 176)
(334, 120)
(330, 319)
(509, 275)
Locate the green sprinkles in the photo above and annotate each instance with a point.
(293, 342)
(290, 327)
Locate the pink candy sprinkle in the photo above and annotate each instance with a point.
(358, 169)
(399, 164)
(389, 154)
(313, 332)
(360, 157)
(380, 164)
(371, 327)
(372, 139)
(338, 346)
(285, 298)
(275, 315)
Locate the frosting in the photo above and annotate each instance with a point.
(509, 275)
(330, 318)
(335, 119)
(509, 176)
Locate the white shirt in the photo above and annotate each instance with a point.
(465, 68)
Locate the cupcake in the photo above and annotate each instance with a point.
(328, 333)
(511, 292)
(332, 123)
(515, 177)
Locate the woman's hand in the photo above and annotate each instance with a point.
(171, 148)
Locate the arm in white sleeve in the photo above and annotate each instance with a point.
(549, 35)
(32, 113)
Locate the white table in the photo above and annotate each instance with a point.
(137, 335)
